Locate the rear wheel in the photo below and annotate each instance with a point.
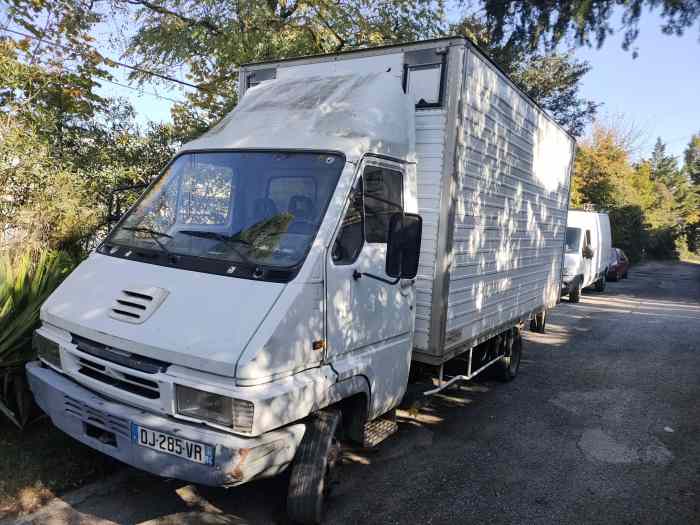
(507, 367)
(313, 471)
(539, 322)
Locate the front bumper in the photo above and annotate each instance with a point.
(78, 412)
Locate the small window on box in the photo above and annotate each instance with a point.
(424, 84)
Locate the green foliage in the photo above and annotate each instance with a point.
(25, 282)
(209, 40)
(629, 230)
(691, 208)
(600, 162)
(58, 162)
(652, 204)
(588, 22)
(692, 160)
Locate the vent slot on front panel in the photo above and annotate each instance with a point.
(136, 304)
(138, 295)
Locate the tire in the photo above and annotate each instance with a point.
(539, 322)
(624, 275)
(600, 285)
(311, 475)
(575, 294)
(507, 368)
(614, 277)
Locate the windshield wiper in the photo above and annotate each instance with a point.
(230, 240)
(155, 235)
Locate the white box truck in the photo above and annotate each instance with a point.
(587, 252)
(354, 214)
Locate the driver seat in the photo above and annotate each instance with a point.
(302, 208)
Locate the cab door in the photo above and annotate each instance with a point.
(369, 315)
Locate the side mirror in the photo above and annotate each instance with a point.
(587, 252)
(403, 245)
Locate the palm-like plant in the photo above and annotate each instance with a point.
(25, 282)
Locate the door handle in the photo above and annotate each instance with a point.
(357, 274)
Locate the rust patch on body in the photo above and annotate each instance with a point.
(237, 472)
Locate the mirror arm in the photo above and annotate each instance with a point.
(356, 275)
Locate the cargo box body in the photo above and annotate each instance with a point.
(493, 173)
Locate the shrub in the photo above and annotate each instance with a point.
(25, 283)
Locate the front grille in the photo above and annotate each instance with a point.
(130, 383)
(103, 372)
(96, 417)
(119, 357)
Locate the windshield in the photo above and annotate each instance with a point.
(573, 240)
(248, 208)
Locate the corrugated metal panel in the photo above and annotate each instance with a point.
(430, 143)
(512, 199)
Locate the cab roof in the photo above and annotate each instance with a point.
(351, 114)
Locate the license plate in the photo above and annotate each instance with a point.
(183, 448)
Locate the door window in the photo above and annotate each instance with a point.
(351, 238)
(383, 196)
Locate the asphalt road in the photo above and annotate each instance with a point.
(602, 425)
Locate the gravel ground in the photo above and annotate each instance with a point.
(602, 425)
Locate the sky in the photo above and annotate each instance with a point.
(658, 92)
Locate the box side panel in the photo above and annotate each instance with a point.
(512, 201)
(430, 147)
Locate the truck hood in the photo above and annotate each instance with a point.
(197, 320)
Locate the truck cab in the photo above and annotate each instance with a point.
(267, 274)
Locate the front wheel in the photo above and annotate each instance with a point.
(600, 284)
(508, 366)
(314, 465)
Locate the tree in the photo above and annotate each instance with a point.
(552, 79)
(692, 160)
(691, 169)
(649, 202)
(208, 40)
(586, 22)
(62, 149)
(664, 167)
(601, 162)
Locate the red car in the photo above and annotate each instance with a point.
(619, 265)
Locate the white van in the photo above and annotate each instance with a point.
(355, 215)
(587, 252)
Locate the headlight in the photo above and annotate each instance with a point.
(46, 350)
(222, 410)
